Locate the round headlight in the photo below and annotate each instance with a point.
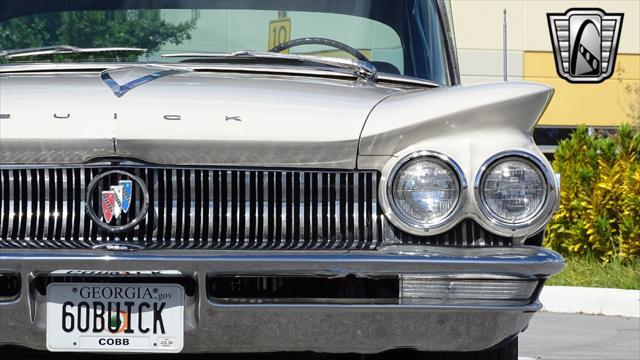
(513, 190)
(424, 192)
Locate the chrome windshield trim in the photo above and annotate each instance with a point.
(63, 49)
(449, 43)
(41, 67)
(363, 69)
(401, 79)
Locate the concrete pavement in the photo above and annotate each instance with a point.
(552, 336)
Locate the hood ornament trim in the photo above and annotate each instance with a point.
(120, 90)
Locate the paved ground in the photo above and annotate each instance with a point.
(584, 337)
(549, 337)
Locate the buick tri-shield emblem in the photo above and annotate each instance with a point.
(585, 43)
(117, 200)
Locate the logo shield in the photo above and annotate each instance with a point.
(117, 190)
(116, 200)
(109, 205)
(113, 194)
(125, 200)
(585, 44)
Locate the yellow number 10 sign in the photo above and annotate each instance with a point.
(279, 32)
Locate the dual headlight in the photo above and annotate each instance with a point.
(426, 190)
(512, 190)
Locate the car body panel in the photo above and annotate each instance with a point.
(414, 119)
(226, 119)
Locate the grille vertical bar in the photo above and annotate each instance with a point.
(194, 208)
(467, 233)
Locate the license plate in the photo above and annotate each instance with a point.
(115, 317)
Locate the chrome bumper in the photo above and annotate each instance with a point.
(215, 327)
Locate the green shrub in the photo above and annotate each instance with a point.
(589, 272)
(599, 212)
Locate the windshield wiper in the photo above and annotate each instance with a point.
(63, 49)
(363, 69)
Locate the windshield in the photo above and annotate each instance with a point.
(400, 37)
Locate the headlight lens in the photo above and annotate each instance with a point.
(425, 191)
(513, 190)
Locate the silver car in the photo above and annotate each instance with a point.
(262, 176)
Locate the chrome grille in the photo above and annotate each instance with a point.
(195, 208)
(466, 233)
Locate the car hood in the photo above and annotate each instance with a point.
(161, 116)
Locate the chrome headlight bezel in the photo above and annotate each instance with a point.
(410, 225)
(531, 223)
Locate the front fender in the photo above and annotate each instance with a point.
(461, 114)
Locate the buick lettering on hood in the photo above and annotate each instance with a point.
(263, 176)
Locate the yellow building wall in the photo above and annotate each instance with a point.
(606, 104)
(478, 26)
